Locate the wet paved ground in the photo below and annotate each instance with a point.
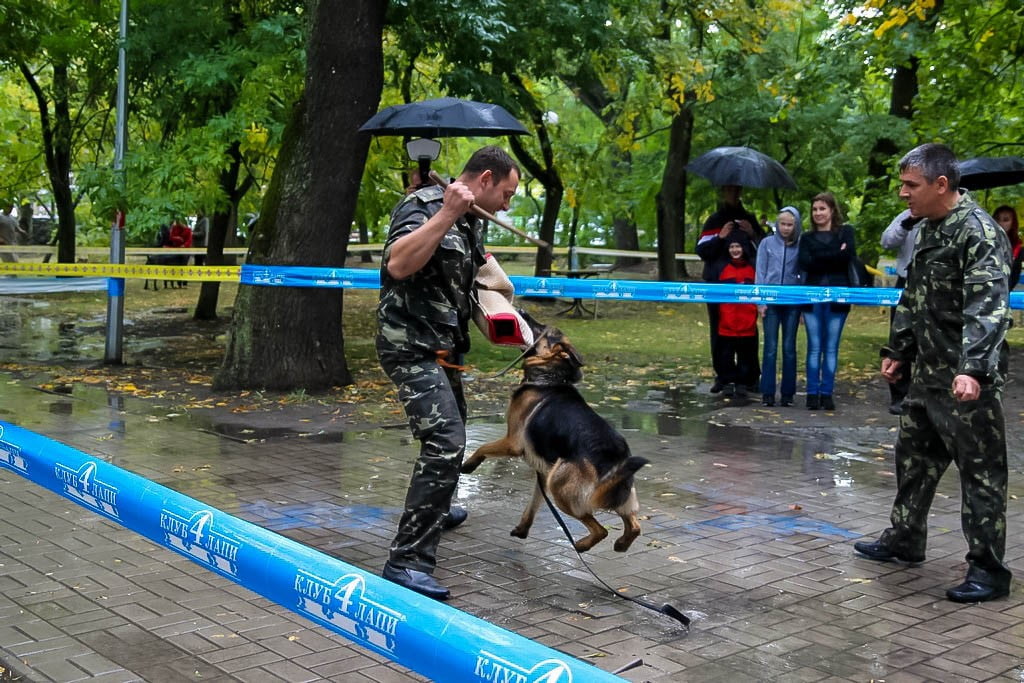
(749, 519)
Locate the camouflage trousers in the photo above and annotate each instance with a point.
(436, 408)
(936, 430)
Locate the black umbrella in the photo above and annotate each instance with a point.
(986, 172)
(741, 166)
(444, 117)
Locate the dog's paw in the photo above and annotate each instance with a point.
(622, 544)
(520, 532)
(470, 466)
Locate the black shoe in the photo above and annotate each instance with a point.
(812, 402)
(827, 403)
(896, 407)
(421, 582)
(729, 390)
(972, 591)
(876, 550)
(767, 400)
(741, 391)
(456, 516)
(786, 401)
(717, 387)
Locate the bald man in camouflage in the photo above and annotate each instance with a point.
(431, 257)
(951, 322)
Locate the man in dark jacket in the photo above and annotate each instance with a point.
(731, 215)
(951, 322)
(431, 257)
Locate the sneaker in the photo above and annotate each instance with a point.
(786, 401)
(812, 402)
(767, 400)
(827, 403)
(717, 387)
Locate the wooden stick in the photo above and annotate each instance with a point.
(487, 215)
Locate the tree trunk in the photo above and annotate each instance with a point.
(57, 153)
(287, 338)
(901, 104)
(547, 174)
(220, 224)
(671, 198)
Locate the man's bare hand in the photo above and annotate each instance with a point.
(891, 370)
(744, 225)
(457, 198)
(966, 388)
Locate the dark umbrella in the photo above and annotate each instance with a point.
(444, 117)
(741, 166)
(986, 172)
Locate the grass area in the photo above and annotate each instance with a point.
(630, 343)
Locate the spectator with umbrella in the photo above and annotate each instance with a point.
(732, 169)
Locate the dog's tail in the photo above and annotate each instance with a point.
(613, 489)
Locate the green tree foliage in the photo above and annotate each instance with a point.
(63, 53)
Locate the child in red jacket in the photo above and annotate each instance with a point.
(737, 323)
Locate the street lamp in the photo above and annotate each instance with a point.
(423, 151)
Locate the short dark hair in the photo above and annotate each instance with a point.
(933, 160)
(494, 159)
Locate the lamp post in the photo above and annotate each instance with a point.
(115, 286)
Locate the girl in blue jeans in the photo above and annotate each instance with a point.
(825, 254)
(777, 264)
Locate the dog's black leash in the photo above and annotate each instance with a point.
(666, 609)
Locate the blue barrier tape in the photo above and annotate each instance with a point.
(615, 290)
(426, 636)
(115, 286)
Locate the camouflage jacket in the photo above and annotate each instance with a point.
(955, 310)
(430, 310)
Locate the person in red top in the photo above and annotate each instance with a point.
(737, 323)
(181, 235)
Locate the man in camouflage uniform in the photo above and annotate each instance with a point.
(951, 322)
(431, 257)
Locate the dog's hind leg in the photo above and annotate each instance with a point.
(507, 447)
(596, 535)
(630, 526)
(522, 529)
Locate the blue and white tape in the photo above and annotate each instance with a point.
(614, 290)
(426, 636)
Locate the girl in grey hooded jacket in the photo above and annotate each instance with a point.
(777, 264)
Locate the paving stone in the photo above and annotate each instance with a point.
(775, 593)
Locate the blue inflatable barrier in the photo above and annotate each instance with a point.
(426, 636)
(614, 290)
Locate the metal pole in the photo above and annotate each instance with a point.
(115, 286)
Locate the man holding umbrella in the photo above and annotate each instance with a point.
(431, 257)
(732, 169)
(731, 215)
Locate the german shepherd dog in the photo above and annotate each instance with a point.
(584, 464)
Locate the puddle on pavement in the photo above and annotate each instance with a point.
(30, 332)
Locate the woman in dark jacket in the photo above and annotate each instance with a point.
(824, 255)
(1006, 217)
